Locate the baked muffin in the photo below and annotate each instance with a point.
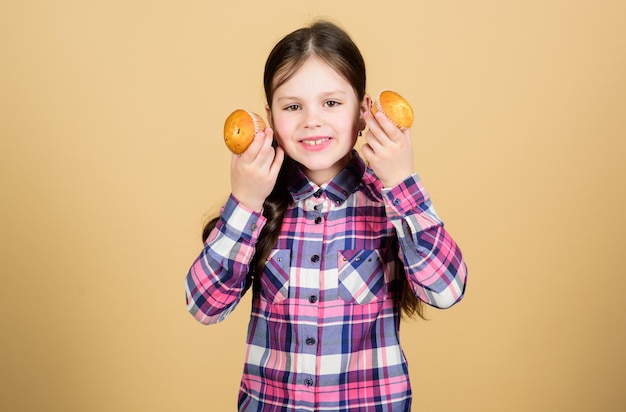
(239, 129)
(395, 107)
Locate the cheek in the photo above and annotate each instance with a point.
(282, 128)
(353, 126)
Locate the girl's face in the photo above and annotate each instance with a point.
(316, 118)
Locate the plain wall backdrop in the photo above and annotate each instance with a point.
(111, 116)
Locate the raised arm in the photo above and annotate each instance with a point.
(433, 261)
(216, 281)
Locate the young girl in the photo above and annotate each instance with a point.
(335, 249)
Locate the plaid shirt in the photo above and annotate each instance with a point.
(323, 332)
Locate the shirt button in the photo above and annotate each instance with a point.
(308, 382)
(310, 340)
(318, 220)
(315, 258)
(396, 202)
(312, 298)
(318, 193)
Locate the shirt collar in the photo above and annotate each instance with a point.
(338, 189)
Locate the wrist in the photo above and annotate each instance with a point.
(393, 181)
(253, 205)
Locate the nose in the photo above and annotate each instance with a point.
(313, 118)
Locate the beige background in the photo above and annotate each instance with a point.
(111, 159)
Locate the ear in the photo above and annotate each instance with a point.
(268, 116)
(366, 105)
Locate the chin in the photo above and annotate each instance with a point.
(323, 165)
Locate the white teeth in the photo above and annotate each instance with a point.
(315, 142)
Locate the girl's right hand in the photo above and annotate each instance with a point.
(253, 173)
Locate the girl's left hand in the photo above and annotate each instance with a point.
(387, 149)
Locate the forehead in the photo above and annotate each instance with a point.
(314, 76)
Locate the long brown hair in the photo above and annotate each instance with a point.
(333, 45)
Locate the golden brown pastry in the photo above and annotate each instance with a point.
(239, 129)
(395, 107)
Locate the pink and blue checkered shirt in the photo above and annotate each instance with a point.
(323, 331)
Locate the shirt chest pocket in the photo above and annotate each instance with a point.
(361, 276)
(275, 277)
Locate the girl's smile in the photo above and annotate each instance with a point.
(316, 144)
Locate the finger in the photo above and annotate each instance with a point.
(269, 132)
(367, 151)
(382, 125)
(371, 122)
(253, 149)
(374, 142)
(375, 133)
(388, 127)
(266, 153)
(277, 162)
(383, 129)
(266, 148)
(265, 158)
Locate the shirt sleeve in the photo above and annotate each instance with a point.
(433, 262)
(216, 281)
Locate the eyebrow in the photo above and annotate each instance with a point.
(323, 95)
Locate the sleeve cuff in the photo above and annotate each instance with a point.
(407, 197)
(238, 219)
